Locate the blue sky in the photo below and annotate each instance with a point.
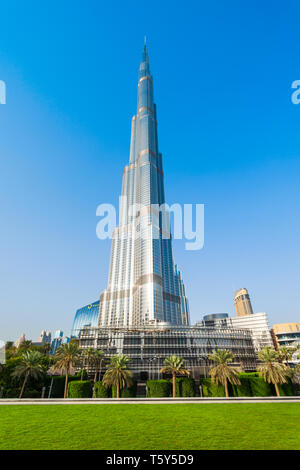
(228, 132)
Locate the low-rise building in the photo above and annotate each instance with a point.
(287, 333)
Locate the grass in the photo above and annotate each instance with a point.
(151, 427)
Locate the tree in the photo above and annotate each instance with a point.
(118, 375)
(25, 346)
(30, 366)
(222, 372)
(174, 365)
(99, 358)
(271, 370)
(66, 357)
(285, 354)
(89, 355)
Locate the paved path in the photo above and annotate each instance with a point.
(146, 401)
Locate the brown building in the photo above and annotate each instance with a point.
(242, 303)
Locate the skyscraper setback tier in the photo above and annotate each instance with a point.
(144, 287)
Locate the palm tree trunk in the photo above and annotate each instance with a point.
(226, 388)
(100, 370)
(174, 386)
(95, 376)
(66, 382)
(118, 390)
(24, 383)
(277, 390)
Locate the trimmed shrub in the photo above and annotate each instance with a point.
(158, 388)
(260, 388)
(58, 386)
(127, 392)
(185, 387)
(243, 390)
(188, 386)
(210, 389)
(100, 391)
(79, 389)
(15, 392)
(286, 389)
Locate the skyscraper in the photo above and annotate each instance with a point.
(143, 286)
(242, 303)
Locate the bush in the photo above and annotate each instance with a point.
(127, 392)
(79, 389)
(185, 387)
(286, 389)
(100, 391)
(15, 392)
(188, 387)
(260, 388)
(58, 386)
(243, 390)
(158, 388)
(210, 389)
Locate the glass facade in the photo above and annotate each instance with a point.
(85, 316)
(147, 347)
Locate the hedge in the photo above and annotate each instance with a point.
(210, 389)
(15, 392)
(58, 386)
(100, 391)
(79, 389)
(127, 392)
(158, 388)
(185, 387)
(252, 385)
(287, 389)
(260, 388)
(243, 390)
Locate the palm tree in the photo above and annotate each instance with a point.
(174, 365)
(98, 361)
(89, 355)
(66, 357)
(271, 370)
(222, 372)
(117, 373)
(25, 345)
(285, 354)
(30, 366)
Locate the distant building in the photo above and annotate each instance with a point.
(210, 319)
(2, 352)
(287, 333)
(257, 323)
(21, 340)
(57, 341)
(259, 326)
(242, 303)
(85, 316)
(45, 337)
(185, 314)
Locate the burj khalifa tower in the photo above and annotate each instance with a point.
(144, 285)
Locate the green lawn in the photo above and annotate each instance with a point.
(151, 427)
